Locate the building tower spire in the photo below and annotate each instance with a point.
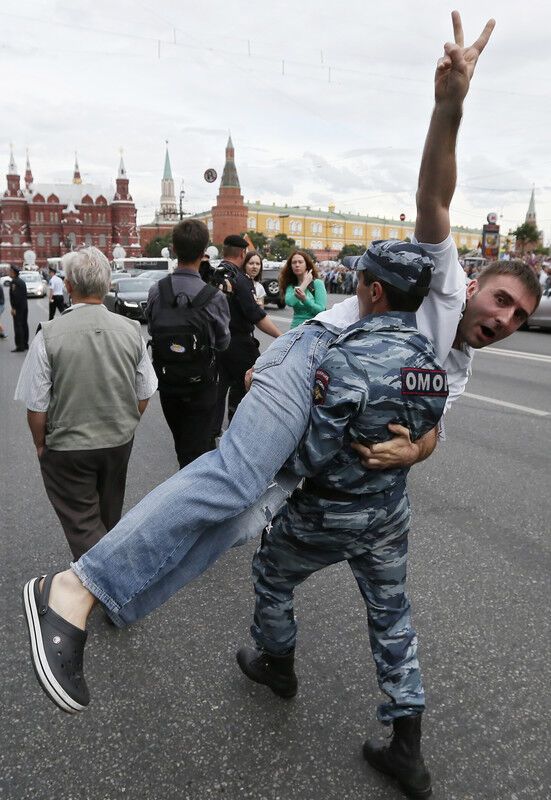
(121, 192)
(12, 168)
(28, 172)
(229, 215)
(76, 173)
(531, 213)
(169, 211)
(122, 170)
(229, 176)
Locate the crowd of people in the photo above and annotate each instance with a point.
(346, 402)
(339, 279)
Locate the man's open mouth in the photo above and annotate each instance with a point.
(488, 332)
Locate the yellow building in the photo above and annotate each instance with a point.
(326, 232)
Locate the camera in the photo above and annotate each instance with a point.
(217, 276)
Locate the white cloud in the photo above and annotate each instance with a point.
(331, 105)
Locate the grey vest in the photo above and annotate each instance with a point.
(93, 355)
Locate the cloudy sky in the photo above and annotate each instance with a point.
(326, 102)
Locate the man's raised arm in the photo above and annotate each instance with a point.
(437, 179)
(437, 174)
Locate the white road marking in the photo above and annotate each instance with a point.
(500, 351)
(281, 319)
(538, 412)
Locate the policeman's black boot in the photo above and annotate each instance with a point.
(402, 758)
(277, 672)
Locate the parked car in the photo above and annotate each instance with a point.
(270, 282)
(128, 296)
(118, 276)
(35, 283)
(541, 318)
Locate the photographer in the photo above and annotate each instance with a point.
(188, 321)
(245, 314)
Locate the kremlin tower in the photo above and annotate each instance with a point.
(229, 215)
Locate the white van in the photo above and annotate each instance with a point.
(136, 265)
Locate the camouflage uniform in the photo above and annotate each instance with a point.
(380, 370)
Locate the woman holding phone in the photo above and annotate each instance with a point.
(302, 288)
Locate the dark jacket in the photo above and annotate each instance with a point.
(18, 295)
(244, 310)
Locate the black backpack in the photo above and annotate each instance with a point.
(181, 340)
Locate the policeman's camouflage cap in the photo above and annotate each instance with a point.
(236, 241)
(404, 265)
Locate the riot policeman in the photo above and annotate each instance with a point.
(245, 314)
(379, 371)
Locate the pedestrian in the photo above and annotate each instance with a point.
(55, 293)
(302, 288)
(189, 322)
(380, 371)
(178, 530)
(86, 382)
(19, 311)
(3, 334)
(245, 315)
(252, 266)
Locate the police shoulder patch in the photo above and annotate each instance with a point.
(321, 382)
(417, 380)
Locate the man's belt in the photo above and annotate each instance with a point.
(325, 493)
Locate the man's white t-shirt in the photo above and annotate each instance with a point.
(56, 285)
(437, 318)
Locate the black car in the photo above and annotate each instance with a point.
(270, 282)
(128, 296)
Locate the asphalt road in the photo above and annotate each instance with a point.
(171, 715)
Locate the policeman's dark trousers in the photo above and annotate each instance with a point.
(21, 330)
(190, 419)
(57, 302)
(86, 489)
(310, 534)
(232, 364)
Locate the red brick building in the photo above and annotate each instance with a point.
(54, 218)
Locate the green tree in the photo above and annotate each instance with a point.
(280, 247)
(154, 247)
(463, 250)
(351, 250)
(260, 241)
(526, 233)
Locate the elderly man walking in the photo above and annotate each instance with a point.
(86, 381)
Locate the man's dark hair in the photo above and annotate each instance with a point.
(397, 300)
(516, 268)
(229, 251)
(234, 246)
(189, 239)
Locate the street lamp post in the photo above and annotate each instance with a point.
(182, 195)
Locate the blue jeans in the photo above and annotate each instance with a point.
(186, 523)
